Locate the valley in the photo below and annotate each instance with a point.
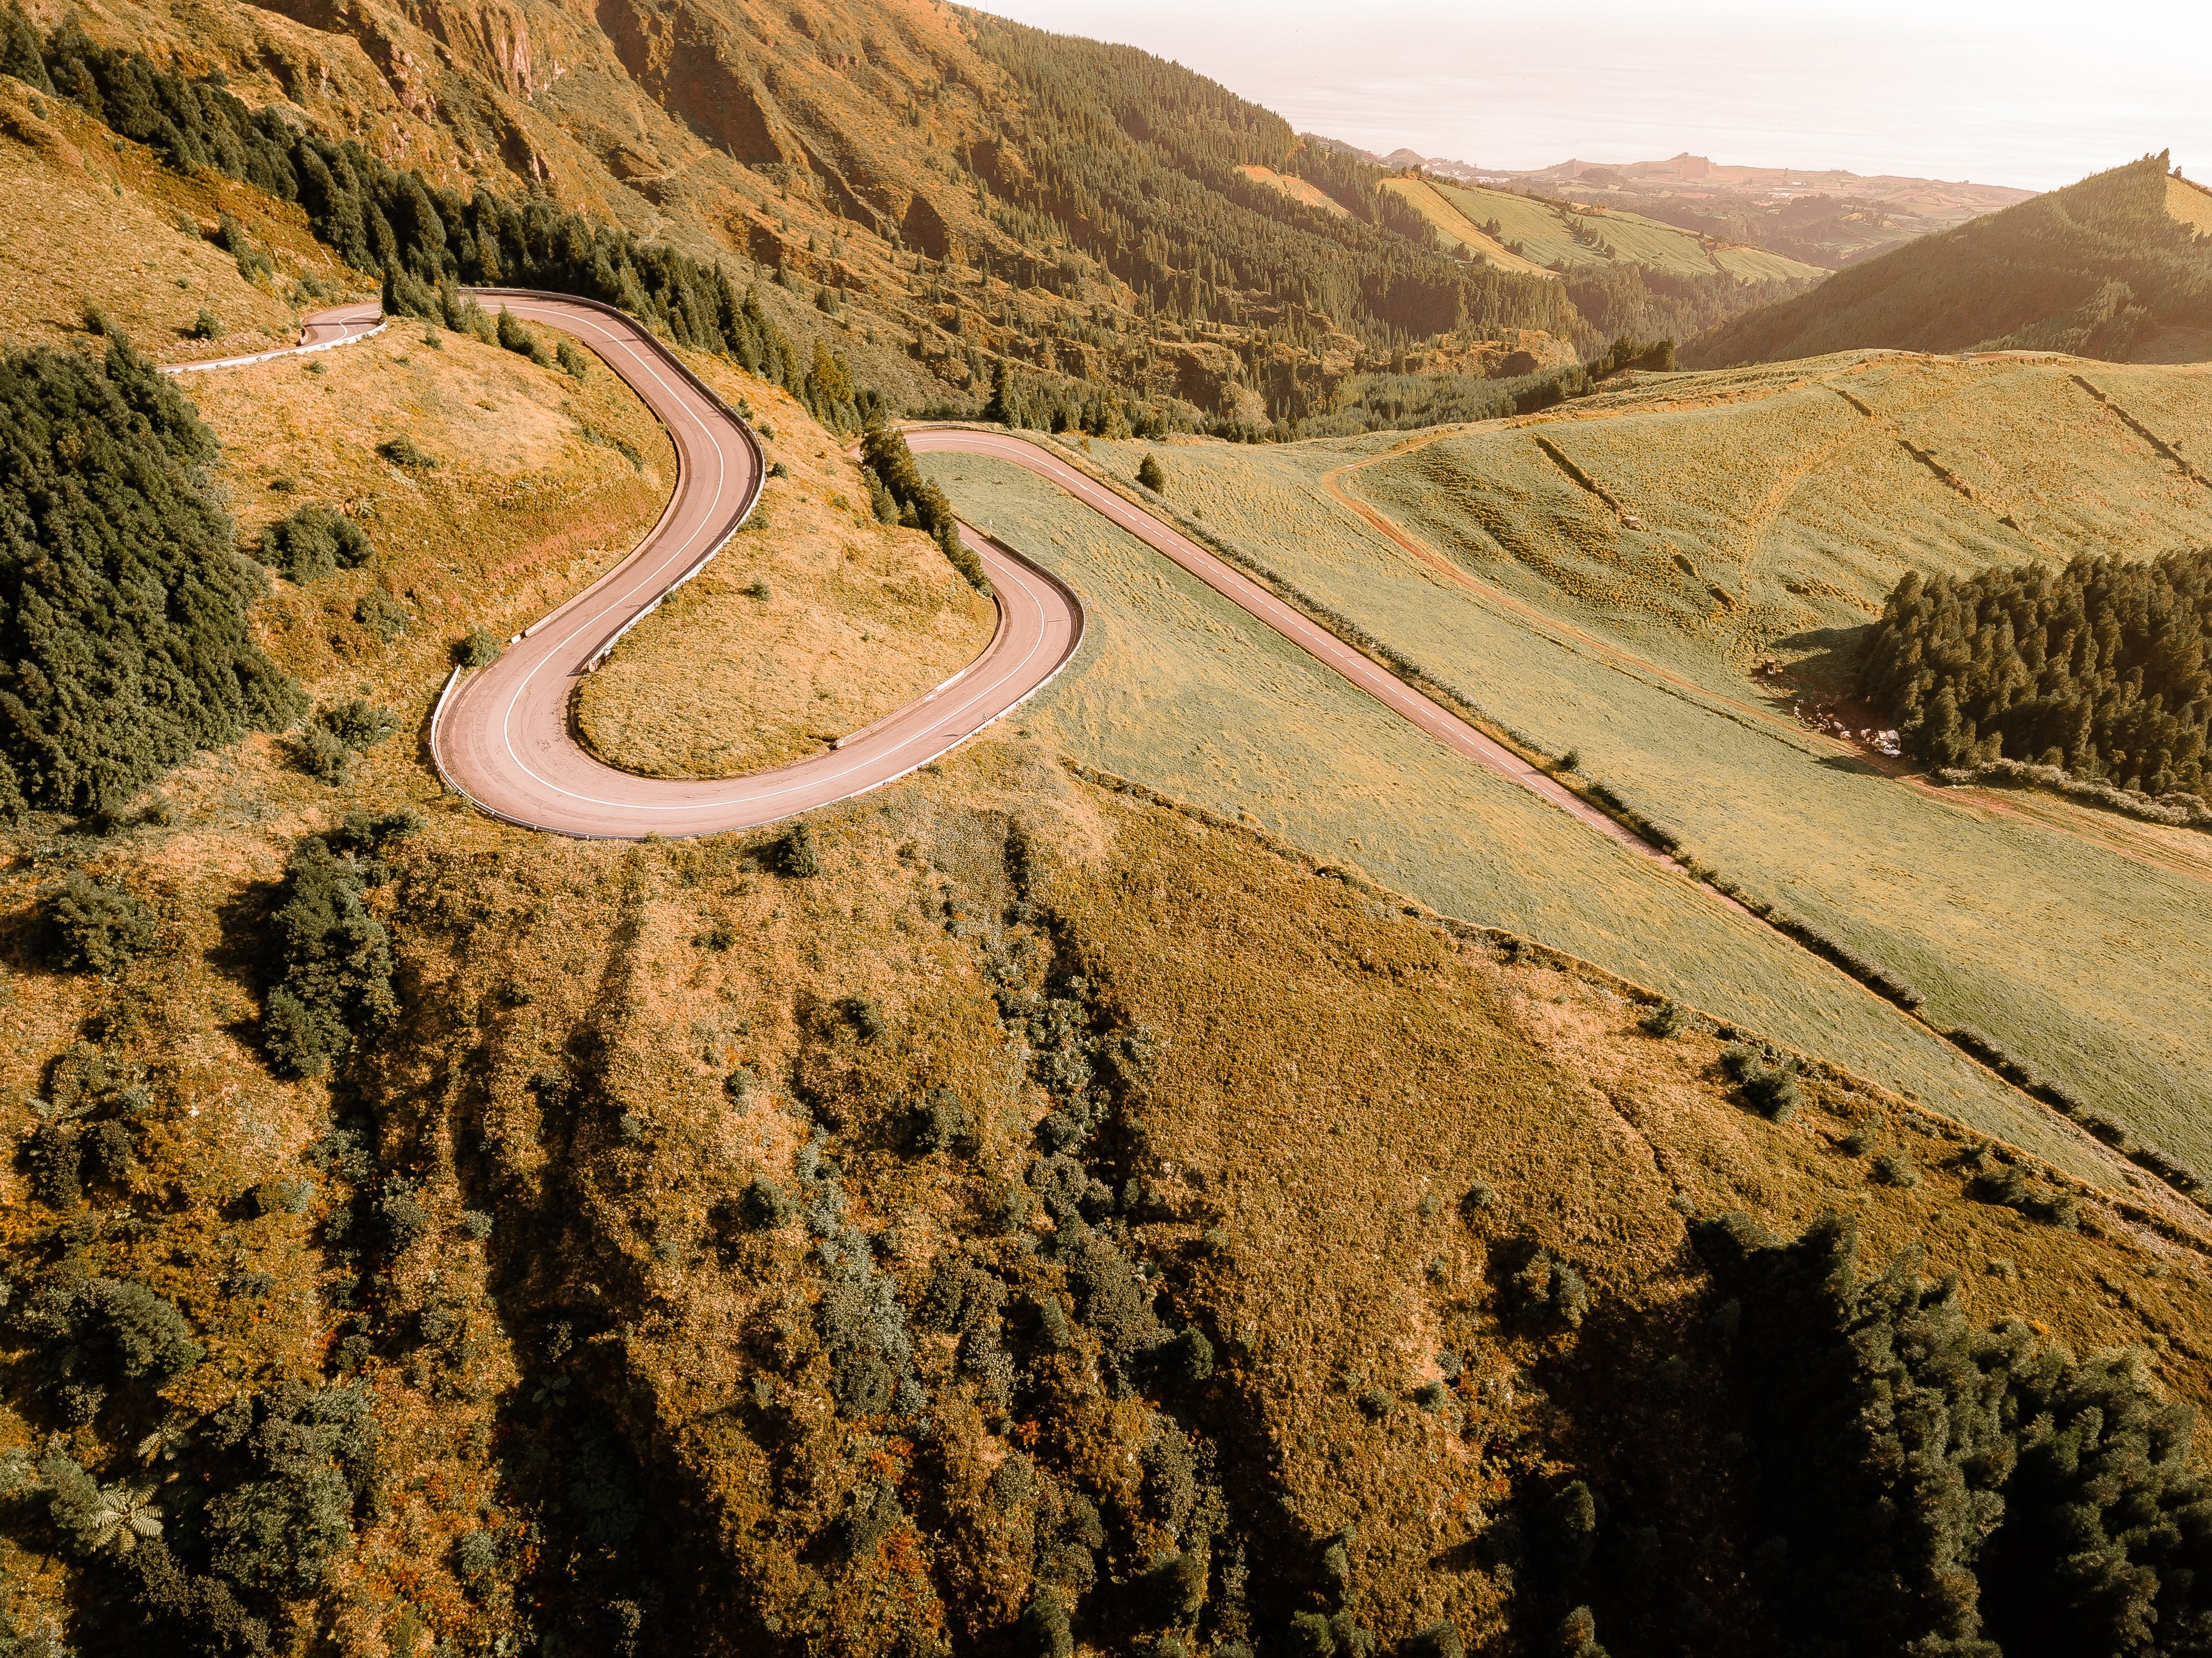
(968, 860)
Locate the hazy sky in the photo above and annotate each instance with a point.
(2029, 94)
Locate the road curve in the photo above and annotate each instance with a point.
(340, 326)
(502, 736)
(1248, 595)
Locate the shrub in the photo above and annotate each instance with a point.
(2009, 1185)
(402, 451)
(102, 502)
(1894, 1168)
(795, 855)
(358, 723)
(1437, 1641)
(207, 326)
(475, 1555)
(1043, 1631)
(767, 1205)
(1770, 1090)
(573, 361)
(1187, 1359)
(866, 1015)
(321, 755)
(1577, 1637)
(475, 1225)
(327, 965)
(1663, 1021)
(920, 502)
(105, 1333)
(940, 1122)
(310, 1458)
(97, 927)
(312, 543)
(1546, 1289)
(519, 336)
(1149, 475)
(478, 649)
(381, 614)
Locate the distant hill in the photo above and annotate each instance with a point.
(1824, 216)
(2118, 266)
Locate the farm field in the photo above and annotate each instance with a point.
(1548, 234)
(1178, 689)
(2073, 938)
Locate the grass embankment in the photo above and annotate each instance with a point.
(78, 197)
(1178, 689)
(2062, 932)
(616, 1374)
(815, 621)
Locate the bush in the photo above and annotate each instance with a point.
(518, 335)
(322, 756)
(96, 927)
(1043, 1631)
(1149, 475)
(1548, 1290)
(359, 724)
(102, 502)
(403, 452)
(767, 1205)
(312, 543)
(475, 1555)
(795, 855)
(328, 962)
(1665, 1020)
(1770, 1090)
(310, 1457)
(381, 614)
(207, 326)
(940, 1122)
(478, 649)
(1894, 1168)
(102, 1333)
(572, 359)
(1437, 1641)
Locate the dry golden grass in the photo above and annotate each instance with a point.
(815, 621)
(92, 220)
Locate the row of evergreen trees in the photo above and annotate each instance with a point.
(1931, 1488)
(2101, 668)
(419, 238)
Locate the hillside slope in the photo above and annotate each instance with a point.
(2118, 266)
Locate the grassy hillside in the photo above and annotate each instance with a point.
(818, 620)
(2106, 268)
(1061, 1217)
(1558, 234)
(1771, 516)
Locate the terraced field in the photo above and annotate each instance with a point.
(1719, 521)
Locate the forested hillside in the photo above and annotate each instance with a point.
(2100, 667)
(943, 198)
(2101, 268)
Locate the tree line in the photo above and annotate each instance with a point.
(419, 238)
(2100, 668)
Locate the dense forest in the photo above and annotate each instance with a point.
(1926, 1487)
(2092, 268)
(2104, 668)
(123, 638)
(1134, 158)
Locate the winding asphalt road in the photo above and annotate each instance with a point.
(1248, 595)
(502, 736)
